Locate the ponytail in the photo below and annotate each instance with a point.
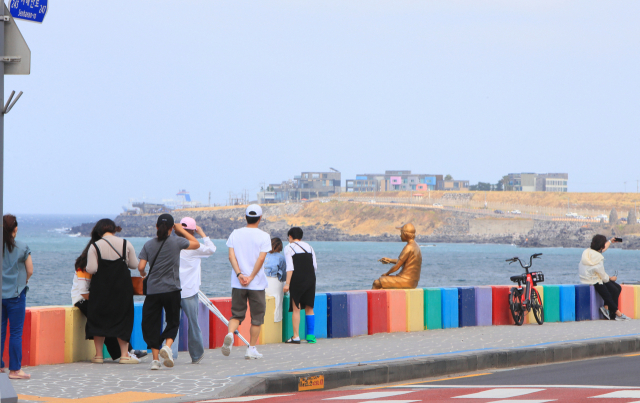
(163, 231)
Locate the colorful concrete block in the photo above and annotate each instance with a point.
(26, 341)
(396, 311)
(467, 306)
(501, 315)
(583, 302)
(596, 302)
(217, 329)
(567, 303)
(271, 331)
(47, 335)
(203, 321)
(626, 301)
(357, 313)
(76, 347)
(137, 341)
(337, 321)
(183, 332)
(320, 312)
(415, 309)
(636, 298)
(483, 306)
(287, 322)
(432, 308)
(530, 317)
(449, 307)
(377, 313)
(551, 303)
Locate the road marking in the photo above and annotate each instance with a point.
(122, 397)
(433, 380)
(517, 386)
(499, 393)
(524, 401)
(623, 394)
(244, 398)
(370, 395)
(631, 355)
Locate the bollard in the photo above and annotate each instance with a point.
(320, 312)
(567, 303)
(432, 308)
(337, 321)
(583, 302)
(596, 302)
(396, 311)
(551, 303)
(467, 306)
(501, 315)
(217, 329)
(357, 313)
(76, 347)
(415, 309)
(626, 301)
(449, 307)
(483, 306)
(47, 336)
(377, 313)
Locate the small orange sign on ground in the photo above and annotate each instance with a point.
(311, 383)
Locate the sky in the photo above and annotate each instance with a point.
(139, 99)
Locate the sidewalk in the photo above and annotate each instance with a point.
(187, 382)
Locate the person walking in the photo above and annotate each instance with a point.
(190, 280)
(162, 287)
(301, 280)
(110, 313)
(82, 281)
(591, 271)
(17, 268)
(275, 269)
(248, 249)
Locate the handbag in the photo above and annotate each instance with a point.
(144, 281)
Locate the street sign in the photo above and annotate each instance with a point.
(29, 10)
(17, 55)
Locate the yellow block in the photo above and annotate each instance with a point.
(76, 348)
(415, 310)
(636, 291)
(532, 319)
(270, 332)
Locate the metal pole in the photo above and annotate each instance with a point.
(1, 131)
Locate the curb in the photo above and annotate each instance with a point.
(418, 368)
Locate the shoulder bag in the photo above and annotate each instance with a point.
(144, 281)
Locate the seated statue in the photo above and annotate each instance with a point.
(410, 260)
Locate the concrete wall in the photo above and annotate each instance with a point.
(495, 227)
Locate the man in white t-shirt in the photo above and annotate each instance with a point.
(248, 248)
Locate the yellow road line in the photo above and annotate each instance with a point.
(433, 380)
(124, 397)
(631, 355)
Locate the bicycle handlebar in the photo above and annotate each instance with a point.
(517, 259)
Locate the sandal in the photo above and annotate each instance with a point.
(19, 375)
(97, 360)
(291, 341)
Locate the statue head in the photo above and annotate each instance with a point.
(407, 232)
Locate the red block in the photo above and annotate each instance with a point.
(26, 341)
(501, 312)
(377, 313)
(217, 329)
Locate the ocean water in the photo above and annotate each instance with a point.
(342, 266)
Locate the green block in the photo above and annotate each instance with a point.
(105, 353)
(287, 326)
(432, 308)
(551, 303)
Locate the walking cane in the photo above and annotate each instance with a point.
(203, 298)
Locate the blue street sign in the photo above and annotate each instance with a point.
(29, 10)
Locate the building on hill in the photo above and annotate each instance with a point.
(393, 181)
(453, 184)
(532, 182)
(307, 185)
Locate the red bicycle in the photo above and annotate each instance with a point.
(521, 300)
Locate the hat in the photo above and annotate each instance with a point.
(253, 211)
(408, 228)
(188, 223)
(165, 219)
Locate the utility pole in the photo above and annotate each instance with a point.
(209, 199)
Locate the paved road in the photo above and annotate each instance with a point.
(598, 380)
(215, 372)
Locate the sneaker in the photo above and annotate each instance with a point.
(155, 365)
(252, 354)
(605, 312)
(198, 360)
(622, 317)
(292, 341)
(311, 339)
(139, 353)
(227, 345)
(167, 356)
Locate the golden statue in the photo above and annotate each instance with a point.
(410, 260)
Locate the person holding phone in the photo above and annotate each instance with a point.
(591, 271)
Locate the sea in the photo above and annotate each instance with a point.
(342, 266)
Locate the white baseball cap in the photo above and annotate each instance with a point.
(254, 211)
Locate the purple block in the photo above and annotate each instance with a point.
(357, 313)
(203, 321)
(484, 306)
(596, 303)
(183, 335)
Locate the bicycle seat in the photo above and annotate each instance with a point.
(515, 279)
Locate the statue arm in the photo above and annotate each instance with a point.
(398, 264)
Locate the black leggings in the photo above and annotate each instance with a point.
(610, 292)
(152, 318)
(111, 343)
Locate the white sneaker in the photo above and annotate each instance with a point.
(155, 365)
(252, 354)
(605, 312)
(133, 356)
(622, 317)
(227, 345)
(167, 356)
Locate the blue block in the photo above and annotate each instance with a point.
(337, 315)
(449, 307)
(358, 315)
(137, 340)
(320, 312)
(467, 306)
(183, 333)
(583, 302)
(567, 303)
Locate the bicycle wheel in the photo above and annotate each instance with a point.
(515, 306)
(536, 306)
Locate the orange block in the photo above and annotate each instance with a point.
(396, 311)
(47, 336)
(626, 301)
